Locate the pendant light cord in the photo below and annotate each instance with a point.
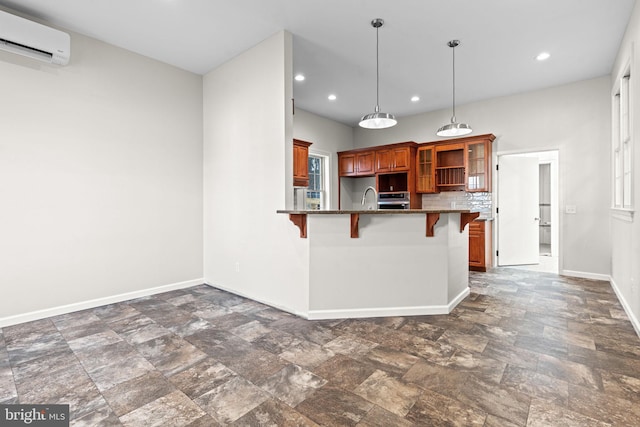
(377, 70)
(453, 118)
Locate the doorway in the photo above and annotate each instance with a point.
(527, 214)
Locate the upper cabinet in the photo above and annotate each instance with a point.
(458, 164)
(461, 164)
(398, 157)
(393, 159)
(426, 173)
(359, 163)
(300, 163)
(478, 164)
(450, 167)
(393, 166)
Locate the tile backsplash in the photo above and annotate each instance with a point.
(482, 202)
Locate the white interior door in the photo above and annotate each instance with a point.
(518, 210)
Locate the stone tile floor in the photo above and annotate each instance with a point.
(524, 349)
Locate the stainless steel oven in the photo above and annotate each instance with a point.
(394, 200)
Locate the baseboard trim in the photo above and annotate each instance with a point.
(357, 313)
(84, 305)
(458, 299)
(261, 301)
(388, 311)
(585, 275)
(626, 306)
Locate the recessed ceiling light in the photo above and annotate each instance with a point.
(415, 98)
(332, 97)
(543, 56)
(299, 77)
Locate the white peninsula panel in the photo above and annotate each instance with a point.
(391, 269)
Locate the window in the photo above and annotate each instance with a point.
(316, 192)
(622, 144)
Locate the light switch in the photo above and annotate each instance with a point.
(570, 209)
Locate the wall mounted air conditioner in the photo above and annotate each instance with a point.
(37, 41)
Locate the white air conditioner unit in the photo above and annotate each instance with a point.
(37, 41)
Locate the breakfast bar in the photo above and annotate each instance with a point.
(369, 263)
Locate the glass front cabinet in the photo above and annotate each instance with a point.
(478, 165)
(426, 181)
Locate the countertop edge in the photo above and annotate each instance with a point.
(372, 212)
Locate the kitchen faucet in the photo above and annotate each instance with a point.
(364, 196)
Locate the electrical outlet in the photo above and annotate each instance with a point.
(570, 209)
(237, 266)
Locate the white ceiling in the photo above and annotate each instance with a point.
(334, 43)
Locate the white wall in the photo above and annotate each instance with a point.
(625, 233)
(249, 249)
(328, 137)
(539, 121)
(100, 178)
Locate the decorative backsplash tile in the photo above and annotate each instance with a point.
(482, 202)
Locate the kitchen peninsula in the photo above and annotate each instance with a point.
(368, 263)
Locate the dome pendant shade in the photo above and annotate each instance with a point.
(377, 120)
(454, 128)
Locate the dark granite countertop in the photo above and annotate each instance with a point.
(372, 211)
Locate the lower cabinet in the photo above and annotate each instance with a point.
(480, 245)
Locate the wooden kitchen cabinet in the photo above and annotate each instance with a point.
(478, 163)
(480, 245)
(460, 164)
(393, 159)
(356, 163)
(301, 163)
(426, 170)
(450, 173)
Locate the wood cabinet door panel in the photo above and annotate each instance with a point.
(356, 164)
(301, 163)
(401, 159)
(347, 164)
(384, 161)
(393, 160)
(480, 247)
(365, 162)
(426, 170)
(477, 161)
(476, 244)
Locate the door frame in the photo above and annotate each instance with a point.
(554, 169)
(558, 208)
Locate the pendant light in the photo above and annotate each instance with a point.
(454, 128)
(377, 120)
